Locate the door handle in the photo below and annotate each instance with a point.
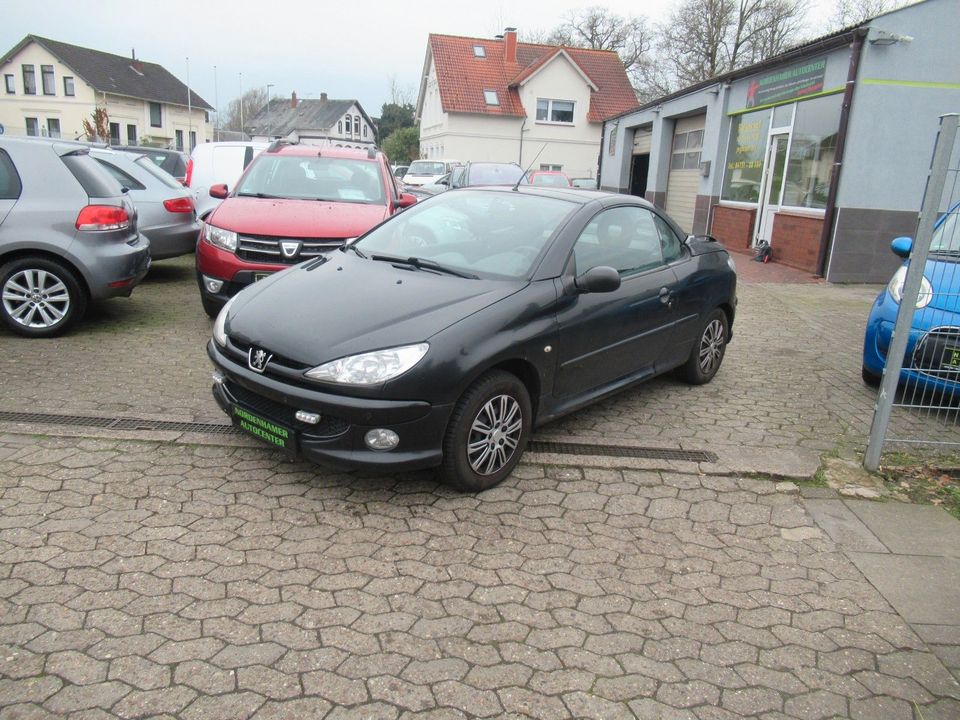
(666, 297)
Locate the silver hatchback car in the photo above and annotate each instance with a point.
(165, 207)
(68, 235)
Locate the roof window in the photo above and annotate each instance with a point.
(479, 51)
(490, 96)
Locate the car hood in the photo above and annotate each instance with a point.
(945, 279)
(296, 218)
(351, 305)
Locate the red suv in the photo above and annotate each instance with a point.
(292, 203)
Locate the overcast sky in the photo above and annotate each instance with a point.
(345, 50)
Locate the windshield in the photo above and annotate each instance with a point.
(313, 178)
(482, 232)
(551, 180)
(424, 167)
(494, 174)
(946, 238)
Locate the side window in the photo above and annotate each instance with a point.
(669, 242)
(624, 238)
(9, 180)
(121, 177)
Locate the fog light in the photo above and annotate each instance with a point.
(381, 439)
(308, 417)
(218, 377)
(212, 284)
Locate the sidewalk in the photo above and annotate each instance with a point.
(749, 271)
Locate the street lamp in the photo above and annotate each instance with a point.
(269, 124)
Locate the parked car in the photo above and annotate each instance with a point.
(164, 207)
(422, 172)
(932, 358)
(584, 183)
(68, 235)
(294, 203)
(399, 171)
(549, 178)
(444, 336)
(443, 183)
(474, 174)
(217, 163)
(172, 162)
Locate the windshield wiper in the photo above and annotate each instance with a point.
(423, 264)
(261, 195)
(352, 246)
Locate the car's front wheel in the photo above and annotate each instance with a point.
(869, 377)
(488, 432)
(40, 297)
(708, 351)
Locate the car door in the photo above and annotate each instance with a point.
(606, 337)
(9, 185)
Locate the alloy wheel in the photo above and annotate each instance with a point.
(36, 298)
(711, 347)
(494, 434)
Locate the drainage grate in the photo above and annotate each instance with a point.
(117, 423)
(537, 446)
(565, 448)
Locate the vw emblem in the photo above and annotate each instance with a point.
(291, 249)
(257, 359)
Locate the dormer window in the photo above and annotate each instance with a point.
(490, 96)
(479, 51)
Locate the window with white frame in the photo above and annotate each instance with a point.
(551, 168)
(479, 51)
(490, 97)
(339, 127)
(555, 111)
(356, 125)
(687, 147)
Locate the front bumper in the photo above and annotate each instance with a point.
(338, 439)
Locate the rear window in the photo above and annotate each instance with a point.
(493, 174)
(160, 174)
(95, 180)
(10, 186)
(124, 178)
(421, 167)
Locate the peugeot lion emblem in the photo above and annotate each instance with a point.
(291, 249)
(257, 359)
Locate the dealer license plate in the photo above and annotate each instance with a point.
(266, 430)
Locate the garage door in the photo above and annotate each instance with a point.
(684, 179)
(642, 140)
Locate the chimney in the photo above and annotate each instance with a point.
(293, 99)
(134, 63)
(510, 45)
(323, 97)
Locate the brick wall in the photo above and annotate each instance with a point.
(733, 226)
(796, 240)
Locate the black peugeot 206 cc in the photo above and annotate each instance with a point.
(446, 334)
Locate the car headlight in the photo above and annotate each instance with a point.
(220, 325)
(226, 239)
(895, 288)
(370, 368)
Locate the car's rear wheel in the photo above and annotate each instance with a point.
(488, 432)
(870, 378)
(40, 297)
(708, 351)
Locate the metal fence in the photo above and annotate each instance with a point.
(919, 397)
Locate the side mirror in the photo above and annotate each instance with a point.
(598, 280)
(407, 199)
(902, 246)
(219, 191)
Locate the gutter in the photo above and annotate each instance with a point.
(830, 213)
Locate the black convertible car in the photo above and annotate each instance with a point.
(446, 334)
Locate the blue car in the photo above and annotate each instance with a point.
(932, 358)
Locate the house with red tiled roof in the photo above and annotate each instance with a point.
(501, 100)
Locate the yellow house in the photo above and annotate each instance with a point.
(50, 87)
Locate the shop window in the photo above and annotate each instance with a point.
(745, 152)
(686, 150)
(812, 151)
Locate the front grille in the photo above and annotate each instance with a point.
(937, 354)
(285, 415)
(243, 350)
(267, 249)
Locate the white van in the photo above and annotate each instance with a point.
(425, 172)
(217, 162)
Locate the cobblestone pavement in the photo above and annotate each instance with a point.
(165, 580)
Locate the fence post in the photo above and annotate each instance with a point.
(943, 149)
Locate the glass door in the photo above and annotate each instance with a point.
(771, 194)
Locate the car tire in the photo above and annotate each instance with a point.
(211, 307)
(52, 296)
(478, 420)
(870, 378)
(708, 350)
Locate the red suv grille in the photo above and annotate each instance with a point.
(269, 249)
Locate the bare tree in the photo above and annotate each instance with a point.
(854, 12)
(253, 100)
(402, 95)
(706, 38)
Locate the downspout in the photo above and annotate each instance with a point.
(522, 125)
(830, 214)
(600, 156)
